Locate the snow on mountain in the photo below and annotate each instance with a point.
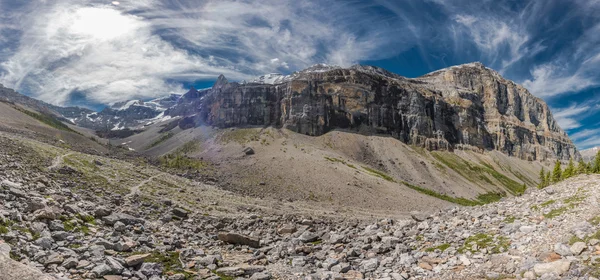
(589, 154)
(271, 79)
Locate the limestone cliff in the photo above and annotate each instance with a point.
(461, 107)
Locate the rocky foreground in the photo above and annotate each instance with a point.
(68, 230)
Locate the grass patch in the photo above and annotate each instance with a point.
(3, 230)
(549, 202)
(442, 248)
(73, 227)
(225, 277)
(556, 212)
(595, 221)
(169, 261)
(318, 242)
(379, 174)
(178, 161)
(87, 218)
(492, 243)
(480, 200)
(340, 161)
(457, 200)
(471, 171)
(240, 135)
(490, 197)
(510, 219)
(189, 147)
(47, 119)
(163, 137)
(574, 200)
(574, 239)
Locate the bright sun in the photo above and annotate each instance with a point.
(102, 23)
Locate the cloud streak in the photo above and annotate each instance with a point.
(143, 49)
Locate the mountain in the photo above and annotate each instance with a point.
(589, 154)
(462, 132)
(462, 107)
(131, 114)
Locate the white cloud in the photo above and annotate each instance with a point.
(137, 49)
(567, 118)
(492, 36)
(586, 138)
(550, 80)
(99, 51)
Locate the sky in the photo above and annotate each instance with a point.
(94, 53)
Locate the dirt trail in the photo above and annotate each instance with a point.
(136, 189)
(58, 161)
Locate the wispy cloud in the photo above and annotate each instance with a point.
(573, 69)
(499, 41)
(569, 118)
(551, 80)
(110, 52)
(587, 138)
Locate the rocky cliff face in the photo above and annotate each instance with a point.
(462, 107)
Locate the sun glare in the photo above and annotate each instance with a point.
(102, 23)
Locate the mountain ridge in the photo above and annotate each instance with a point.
(461, 93)
(465, 106)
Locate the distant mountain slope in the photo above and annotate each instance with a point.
(128, 114)
(37, 124)
(589, 154)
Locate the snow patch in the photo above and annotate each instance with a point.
(271, 79)
(118, 127)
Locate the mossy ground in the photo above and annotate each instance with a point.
(340, 161)
(47, 119)
(480, 200)
(239, 135)
(442, 247)
(478, 173)
(492, 243)
(163, 137)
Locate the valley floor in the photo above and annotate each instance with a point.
(79, 216)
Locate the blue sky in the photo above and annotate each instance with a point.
(93, 53)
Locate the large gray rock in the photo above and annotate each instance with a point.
(4, 249)
(577, 248)
(136, 259)
(151, 269)
(12, 270)
(308, 236)
(562, 249)
(101, 270)
(369, 265)
(123, 218)
(239, 239)
(558, 267)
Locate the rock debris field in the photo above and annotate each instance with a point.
(53, 228)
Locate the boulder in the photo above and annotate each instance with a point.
(239, 239)
(12, 270)
(123, 218)
(558, 267)
(136, 259)
(248, 151)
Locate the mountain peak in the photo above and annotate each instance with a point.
(221, 81)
